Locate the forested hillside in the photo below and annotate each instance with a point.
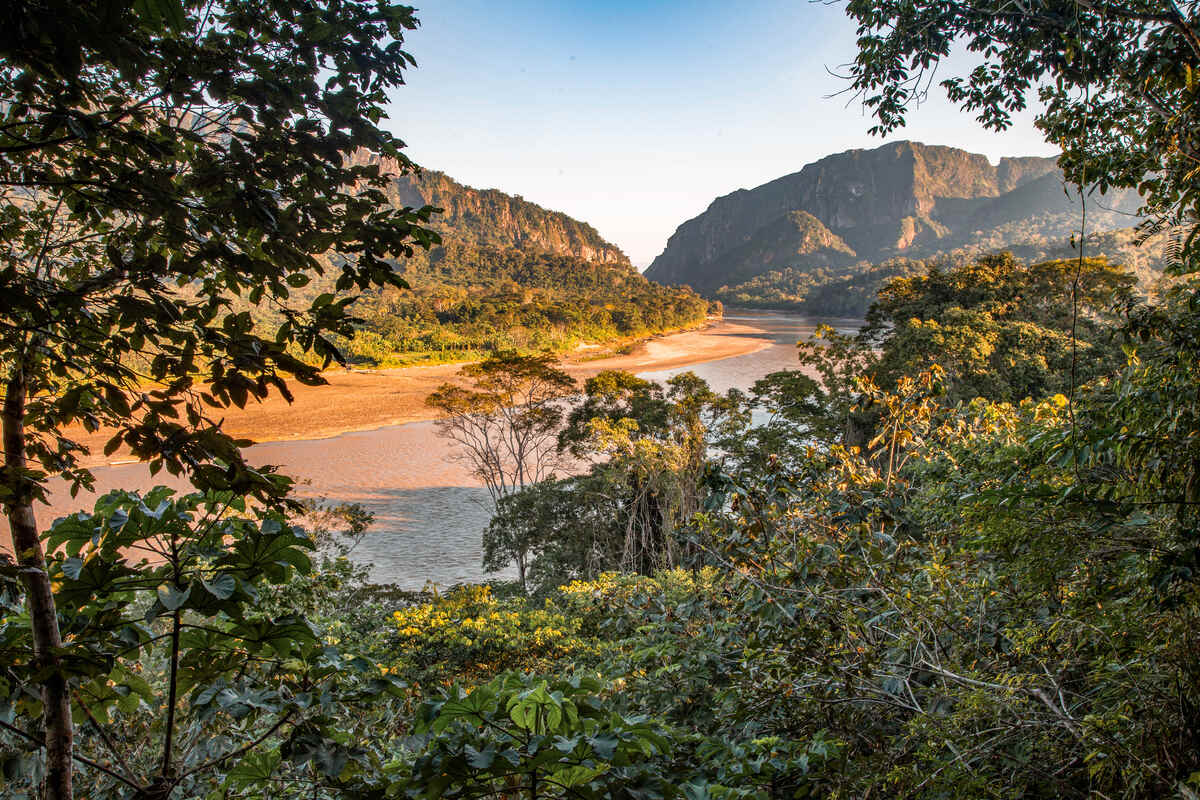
(848, 291)
(504, 273)
(466, 300)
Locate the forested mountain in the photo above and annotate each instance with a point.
(849, 290)
(465, 300)
(904, 199)
(507, 274)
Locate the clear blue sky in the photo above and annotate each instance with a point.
(633, 116)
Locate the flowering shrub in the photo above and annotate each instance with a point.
(469, 635)
(621, 603)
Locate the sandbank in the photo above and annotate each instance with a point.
(360, 400)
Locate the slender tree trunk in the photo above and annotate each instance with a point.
(27, 546)
(168, 770)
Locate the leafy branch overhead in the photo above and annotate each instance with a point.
(199, 161)
(163, 166)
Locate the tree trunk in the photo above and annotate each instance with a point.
(27, 547)
(857, 432)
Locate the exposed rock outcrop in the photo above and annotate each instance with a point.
(491, 218)
(904, 198)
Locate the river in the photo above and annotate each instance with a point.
(429, 512)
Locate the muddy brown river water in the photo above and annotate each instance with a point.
(429, 512)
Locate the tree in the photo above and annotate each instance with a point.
(839, 359)
(567, 528)
(187, 671)
(792, 413)
(161, 167)
(1117, 80)
(651, 446)
(1001, 329)
(506, 424)
(1089, 507)
(993, 328)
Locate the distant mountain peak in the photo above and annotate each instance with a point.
(902, 198)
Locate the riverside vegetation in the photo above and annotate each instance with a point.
(463, 302)
(960, 561)
(502, 273)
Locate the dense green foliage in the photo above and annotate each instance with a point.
(647, 444)
(189, 643)
(823, 292)
(983, 598)
(965, 563)
(1000, 329)
(988, 596)
(468, 300)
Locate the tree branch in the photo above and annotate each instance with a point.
(239, 751)
(81, 759)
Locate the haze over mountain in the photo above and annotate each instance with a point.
(904, 199)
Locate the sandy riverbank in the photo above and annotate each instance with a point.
(366, 400)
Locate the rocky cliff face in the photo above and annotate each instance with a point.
(904, 198)
(491, 218)
(797, 235)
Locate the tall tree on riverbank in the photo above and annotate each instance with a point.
(159, 163)
(649, 447)
(506, 425)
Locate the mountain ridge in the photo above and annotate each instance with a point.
(493, 218)
(508, 275)
(900, 199)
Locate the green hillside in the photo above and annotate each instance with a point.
(848, 291)
(465, 300)
(507, 274)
